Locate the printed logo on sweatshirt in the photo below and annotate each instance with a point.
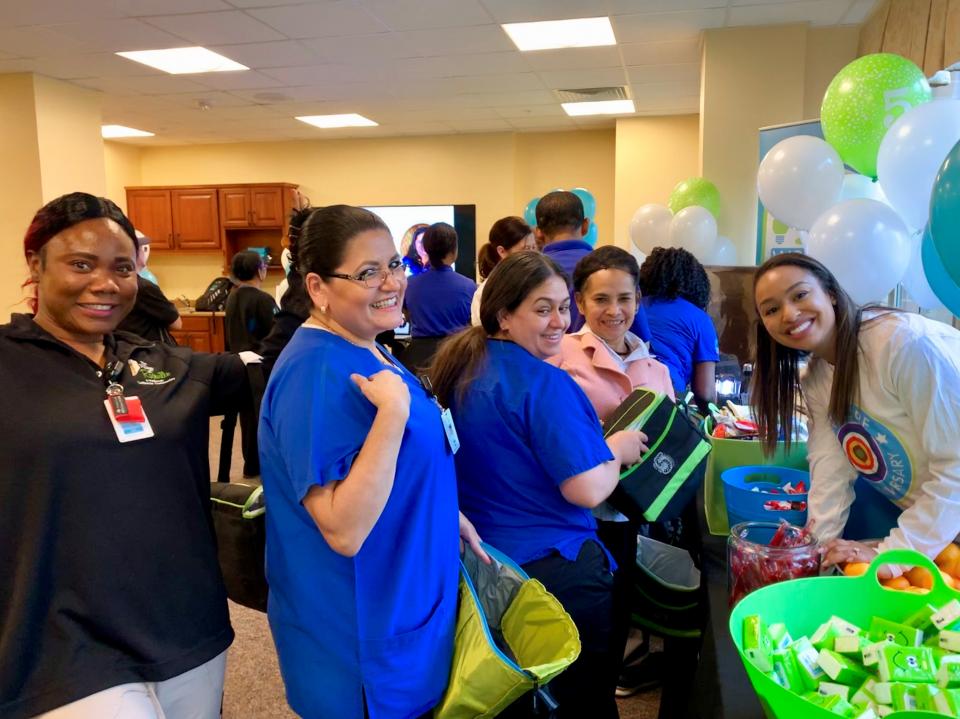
(145, 374)
(876, 453)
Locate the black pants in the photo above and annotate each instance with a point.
(248, 441)
(585, 589)
(620, 539)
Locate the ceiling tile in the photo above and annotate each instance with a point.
(496, 125)
(117, 35)
(19, 14)
(655, 53)
(458, 40)
(422, 14)
(320, 74)
(541, 111)
(573, 58)
(235, 80)
(19, 64)
(368, 49)
(498, 83)
(504, 11)
(687, 74)
(142, 8)
(526, 98)
(146, 85)
(816, 12)
(216, 28)
(320, 20)
(36, 41)
(627, 7)
(69, 67)
(665, 27)
(859, 11)
(599, 77)
(260, 55)
(560, 121)
(216, 101)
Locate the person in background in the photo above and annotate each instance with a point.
(676, 292)
(508, 235)
(881, 391)
(415, 258)
(561, 227)
(249, 317)
(438, 300)
(362, 532)
(114, 605)
(153, 316)
(533, 461)
(282, 286)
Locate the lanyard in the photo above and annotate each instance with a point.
(115, 389)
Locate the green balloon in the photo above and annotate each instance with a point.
(695, 191)
(863, 100)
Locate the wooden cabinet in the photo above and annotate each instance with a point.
(259, 206)
(202, 332)
(176, 218)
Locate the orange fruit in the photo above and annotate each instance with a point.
(920, 577)
(949, 559)
(948, 579)
(917, 590)
(855, 569)
(896, 583)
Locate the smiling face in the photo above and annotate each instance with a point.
(86, 280)
(539, 322)
(608, 302)
(363, 312)
(796, 311)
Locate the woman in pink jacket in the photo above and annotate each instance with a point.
(609, 362)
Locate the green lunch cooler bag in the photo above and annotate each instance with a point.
(512, 637)
(240, 524)
(668, 475)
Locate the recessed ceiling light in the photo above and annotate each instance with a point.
(110, 132)
(184, 60)
(327, 121)
(555, 34)
(602, 107)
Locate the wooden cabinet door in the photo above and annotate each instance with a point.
(195, 223)
(150, 212)
(267, 206)
(235, 207)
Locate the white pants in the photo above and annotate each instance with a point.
(195, 694)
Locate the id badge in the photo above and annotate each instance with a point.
(450, 430)
(131, 426)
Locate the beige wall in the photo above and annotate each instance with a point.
(754, 77)
(498, 173)
(653, 154)
(122, 164)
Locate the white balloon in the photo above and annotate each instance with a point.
(724, 252)
(799, 179)
(915, 280)
(865, 244)
(650, 227)
(639, 255)
(911, 153)
(694, 229)
(861, 187)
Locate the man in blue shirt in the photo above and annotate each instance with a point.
(561, 227)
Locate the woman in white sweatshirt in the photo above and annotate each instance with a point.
(883, 394)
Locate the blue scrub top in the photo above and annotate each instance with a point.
(567, 253)
(524, 428)
(438, 302)
(683, 335)
(380, 623)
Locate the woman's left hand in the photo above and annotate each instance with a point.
(468, 534)
(844, 551)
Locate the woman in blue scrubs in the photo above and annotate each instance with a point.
(533, 460)
(362, 530)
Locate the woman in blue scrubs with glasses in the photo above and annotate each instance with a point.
(533, 461)
(362, 527)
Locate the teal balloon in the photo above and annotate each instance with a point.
(588, 200)
(943, 285)
(945, 214)
(593, 234)
(695, 191)
(863, 100)
(530, 212)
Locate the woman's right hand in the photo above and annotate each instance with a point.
(385, 390)
(627, 446)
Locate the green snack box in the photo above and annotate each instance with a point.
(756, 643)
(925, 694)
(883, 711)
(871, 652)
(922, 619)
(833, 703)
(948, 702)
(865, 694)
(850, 645)
(895, 632)
(779, 636)
(904, 697)
(949, 640)
(906, 664)
(867, 712)
(829, 631)
(948, 675)
(947, 615)
(806, 657)
(841, 669)
(787, 673)
(828, 688)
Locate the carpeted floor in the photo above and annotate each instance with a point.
(253, 687)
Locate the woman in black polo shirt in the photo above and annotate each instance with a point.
(113, 604)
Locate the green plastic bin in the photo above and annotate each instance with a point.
(729, 453)
(805, 604)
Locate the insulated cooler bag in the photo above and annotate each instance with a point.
(668, 475)
(512, 637)
(239, 522)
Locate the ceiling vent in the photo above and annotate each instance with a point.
(592, 94)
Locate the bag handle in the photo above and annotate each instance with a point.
(910, 557)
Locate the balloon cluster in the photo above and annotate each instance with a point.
(689, 220)
(889, 222)
(589, 210)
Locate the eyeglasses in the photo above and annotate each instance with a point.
(373, 278)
